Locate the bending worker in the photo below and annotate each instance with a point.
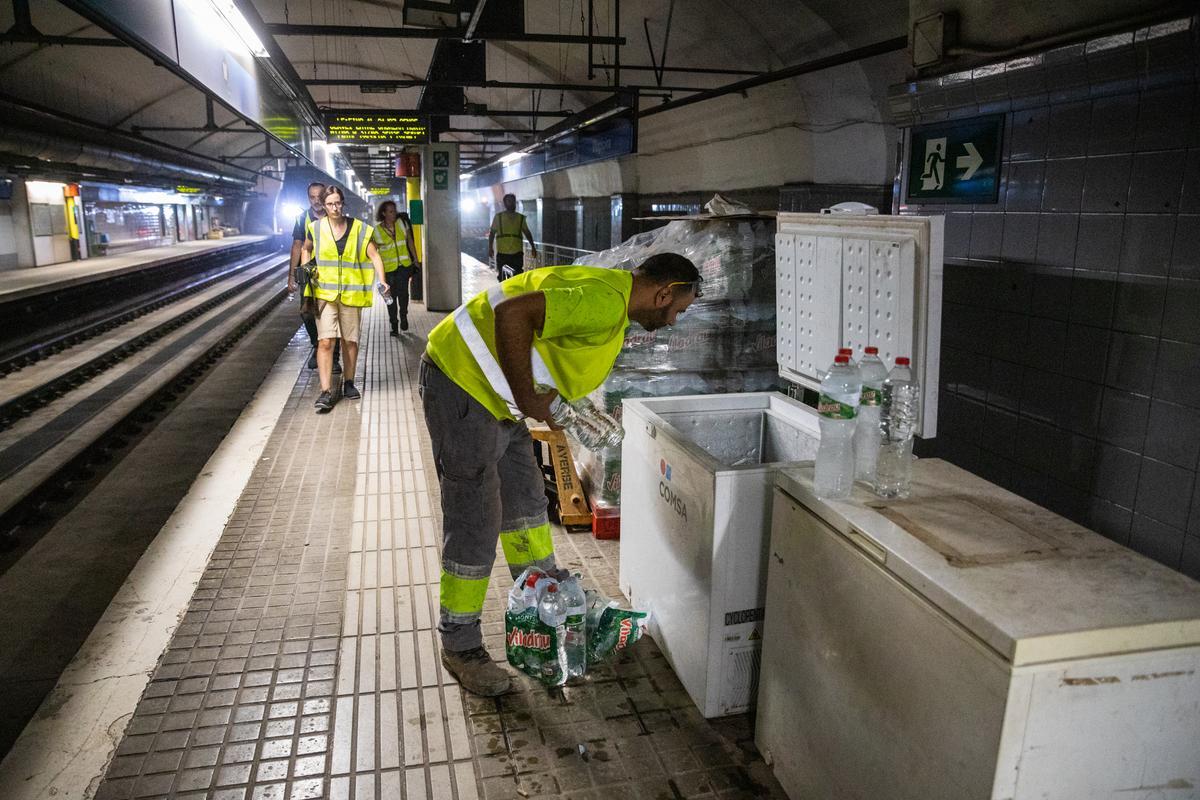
(504, 239)
(345, 255)
(486, 369)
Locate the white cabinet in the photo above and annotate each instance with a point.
(966, 643)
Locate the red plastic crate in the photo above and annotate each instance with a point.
(606, 521)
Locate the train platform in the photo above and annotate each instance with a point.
(21, 283)
(279, 638)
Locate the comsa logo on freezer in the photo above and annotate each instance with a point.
(667, 493)
(534, 641)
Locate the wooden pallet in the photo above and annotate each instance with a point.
(572, 505)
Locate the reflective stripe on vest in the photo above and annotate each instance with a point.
(390, 249)
(487, 362)
(340, 277)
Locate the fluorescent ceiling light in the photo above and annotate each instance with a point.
(239, 26)
(511, 158)
(333, 147)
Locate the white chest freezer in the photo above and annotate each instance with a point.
(697, 474)
(965, 643)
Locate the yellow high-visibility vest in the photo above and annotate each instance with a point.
(393, 249)
(349, 277)
(463, 345)
(508, 237)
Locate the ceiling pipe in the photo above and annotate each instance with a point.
(38, 135)
(837, 60)
(356, 32)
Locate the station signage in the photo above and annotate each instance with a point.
(376, 129)
(183, 189)
(955, 162)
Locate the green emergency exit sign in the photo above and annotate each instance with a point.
(955, 162)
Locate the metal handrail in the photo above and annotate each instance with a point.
(555, 254)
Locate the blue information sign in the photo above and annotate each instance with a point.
(956, 161)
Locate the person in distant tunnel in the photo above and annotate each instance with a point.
(394, 240)
(504, 240)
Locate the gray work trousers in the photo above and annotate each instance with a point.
(492, 488)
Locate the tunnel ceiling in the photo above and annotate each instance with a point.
(118, 88)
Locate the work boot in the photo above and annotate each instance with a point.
(476, 671)
(404, 322)
(324, 403)
(350, 391)
(394, 333)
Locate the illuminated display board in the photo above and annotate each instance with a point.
(376, 129)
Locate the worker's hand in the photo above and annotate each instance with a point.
(533, 250)
(538, 407)
(291, 287)
(385, 291)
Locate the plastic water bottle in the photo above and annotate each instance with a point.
(866, 428)
(553, 613)
(841, 392)
(898, 423)
(576, 627)
(386, 297)
(590, 426)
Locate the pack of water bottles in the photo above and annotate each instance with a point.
(868, 418)
(554, 629)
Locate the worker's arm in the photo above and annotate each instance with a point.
(294, 262)
(492, 239)
(529, 236)
(411, 244)
(380, 275)
(306, 250)
(517, 319)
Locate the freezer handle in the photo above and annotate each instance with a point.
(868, 545)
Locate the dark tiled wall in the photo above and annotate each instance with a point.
(1071, 333)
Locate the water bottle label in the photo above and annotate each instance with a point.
(870, 396)
(835, 409)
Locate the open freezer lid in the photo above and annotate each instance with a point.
(1034, 586)
(850, 280)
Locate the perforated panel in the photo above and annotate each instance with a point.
(891, 306)
(856, 297)
(785, 299)
(741, 678)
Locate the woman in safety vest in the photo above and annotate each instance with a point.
(345, 256)
(398, 251)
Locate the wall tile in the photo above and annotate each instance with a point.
(1194, 514)
(1005, 383)
(1189, 199)
(1131, 362)
(1146, 244)
(1113, 125)
(1155, 180)
(1056, 239)
(1040, 446)
(1161, 542)
(1023, 185)
(1012, 288)
(1177, 376)
(1110, 521)
(1020, 238)
(1063, 190)
(1181, 316)
(1123, 419)
(1002, 432)
(1139, 306)
(1115, 477)
(1185, 259)
(1093, 297)
(1067, 501)
(1190, 563)
(1164, 493)
(1173, 434)
(1027, 133)
(987, 232)
(1164, 118)
(1046, 344)
(1080, 406)
(957, 240)
(1106, 183)
(1068, 129)
(1041, 396)
(1086, 356)
(1099, 243)
(1051, 293)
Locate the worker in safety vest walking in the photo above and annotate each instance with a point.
(485, 370)
(398, 251)
(345, 285)
(504, 240)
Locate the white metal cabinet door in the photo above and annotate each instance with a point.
(866, 691)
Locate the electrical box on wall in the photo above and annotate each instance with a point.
(858, 281)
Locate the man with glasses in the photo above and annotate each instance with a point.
(315, 211)
(500, 358)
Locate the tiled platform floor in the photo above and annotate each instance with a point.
(307, 663)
